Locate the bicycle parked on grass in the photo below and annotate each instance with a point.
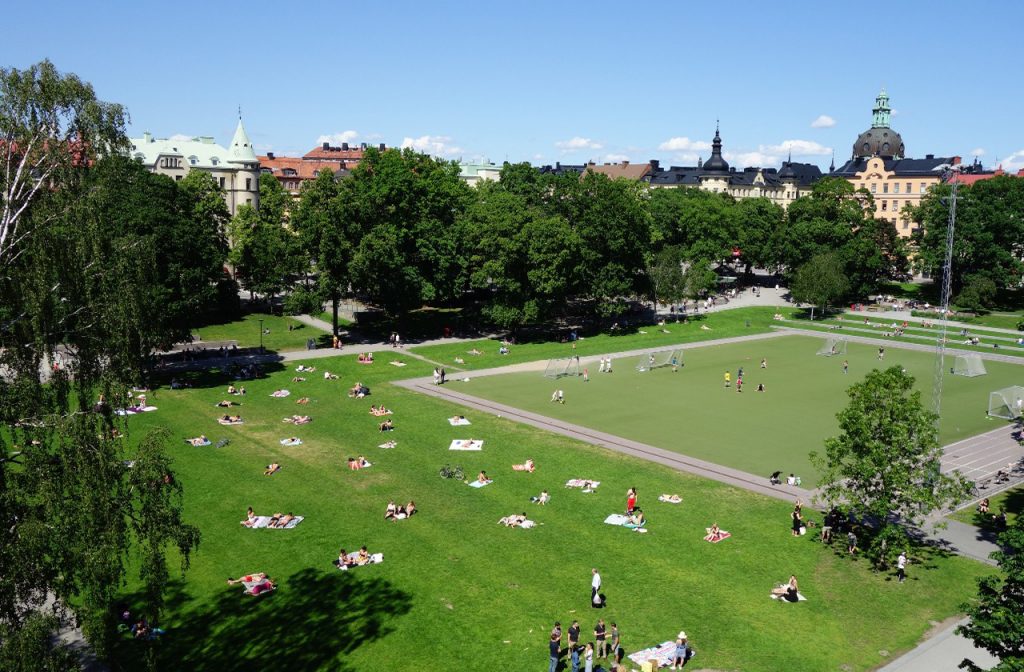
(448, 471)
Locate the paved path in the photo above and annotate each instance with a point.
(941, 652)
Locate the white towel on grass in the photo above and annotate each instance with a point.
(466, 444)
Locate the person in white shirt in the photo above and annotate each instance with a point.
(901, 566)
(595, 588)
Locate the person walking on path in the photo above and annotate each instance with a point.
(600, 634)
(901, 566)
(595, 589)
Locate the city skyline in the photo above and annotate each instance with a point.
(568, 82)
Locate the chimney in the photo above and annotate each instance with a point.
(147, 137)
(655, 165)
(344, 146)
(362, 146)
(625, 163)
(929, 156)
(270, 155)
(381, 147)
(326, 146)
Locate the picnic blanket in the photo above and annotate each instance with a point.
(722, 535)
(582, 483)
(662, 653)
(396, 363)
(280, 394)
(478, 484)
(291, 442)
(668, 499)
(799, 596)
(467, 444)
(251, 585)
(132, 410)
(375, 559)
(205, 443)
(264, 521)
(617, 519)
(526, 523)
(458, 422)
(231, 422)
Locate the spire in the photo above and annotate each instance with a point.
(832, 166)
(715, 162)
(241, 150)
(880, 116)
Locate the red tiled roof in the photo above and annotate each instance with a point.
(334, 154)
(978, 177)
(304, 168)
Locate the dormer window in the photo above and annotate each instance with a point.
(193, 160)
(291, 172)
(214, 161)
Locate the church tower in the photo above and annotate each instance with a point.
(245, 187)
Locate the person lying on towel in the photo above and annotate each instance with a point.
(200, 440)
(280, 519)
(525, 466)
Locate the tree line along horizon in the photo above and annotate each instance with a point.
(104, 262)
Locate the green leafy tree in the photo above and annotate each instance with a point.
(31, 648)
(759, 225)
(702, 223)
(699, 279)
(262, 253)
(76, 276)
(978, 294)
(989, 236)
(884, 465)
(820, 282)
(667, 276)
(325, 233)
(997, 618)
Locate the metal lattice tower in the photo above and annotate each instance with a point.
(947, 272)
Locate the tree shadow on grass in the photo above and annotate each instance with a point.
(311, 622)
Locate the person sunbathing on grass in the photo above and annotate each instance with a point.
(200, 440)
(460, 360)
(232, 389)
(387, 425)
(672, 499)
(272, 468)
(475, 351)
(514, 520)
(407, 510)
(303, 401)
(357, 463)
(343, 560)
(247, 578)
(260, 583)
(298, 379)
(231, 418)
(305, 369)
(363, 557)
(789, 591)
(227, 403)
(250, 518)
(391, 512)
(482, 477)
(525, 466)
(329, 376)
(280, 520)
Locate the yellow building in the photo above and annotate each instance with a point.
(878, 165)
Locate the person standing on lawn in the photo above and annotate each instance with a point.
(554, 651)
(595, 589)
(600, 638)
(574, 634)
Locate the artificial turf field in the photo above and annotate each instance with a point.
(692, 412)
(458, 591)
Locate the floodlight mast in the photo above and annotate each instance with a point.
(950, 174)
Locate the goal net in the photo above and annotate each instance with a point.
(656, 360)
(969, 365)
(557, 368)
(1006, 403)
(832, 347)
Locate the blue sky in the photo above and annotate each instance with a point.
(549, 81)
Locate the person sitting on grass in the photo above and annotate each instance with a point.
(200, 440)
(983, 506)
(387, 426)
(460, 360)
(482, 477)
(544, 498)
(789, 591)
(407, 510)
(391, 512)
(363, 556)
(343, 560)
(358, 391)
(272, 468)
(637, 518)
(250, 518)
(714, 533)
(329, 376)
(233, 390)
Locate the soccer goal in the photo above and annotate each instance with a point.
(1006, 403)
(656, 360)
(969, 366)
(557, 368)
(832, 347)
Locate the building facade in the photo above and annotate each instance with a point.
(782, 186)
(235, 168)
(293, 171)
(879, 165)
(475, 173)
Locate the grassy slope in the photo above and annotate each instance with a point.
(692, 413)
(246, 330)
(455, 588)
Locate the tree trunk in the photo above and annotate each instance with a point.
(334, 313)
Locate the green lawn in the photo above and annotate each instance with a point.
(456, 589)
(691, 412)
(739, 322)
(1012, 500)
(246, 330)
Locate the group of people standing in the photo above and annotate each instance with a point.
(606, 645)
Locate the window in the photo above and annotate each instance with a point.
(906, 226)
(214, 161)
(885, 188)
(290, 172)
(896, 188)
(177, 178)
(924, 188)
(248, 184)
(885, 205)
(895, 205)
(222, 183)
(874, 188)
(193, 159)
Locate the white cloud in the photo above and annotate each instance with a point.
(977, 151)
(1013, 162)
(435, 145)
(759, 159)
(338, 138)
(616, 158)
(538, 157)
(684, 144)
(823, 121)
(577, 143)
(798, 147)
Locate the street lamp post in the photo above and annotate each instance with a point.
(261, 335)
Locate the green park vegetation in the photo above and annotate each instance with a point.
(103, 263)
(245, 331)
(1011, 501)
(456, 586)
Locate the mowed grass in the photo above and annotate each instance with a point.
(691, 412)
(739, 322)
(457, 591)
(1012, 501)
(246, 331)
